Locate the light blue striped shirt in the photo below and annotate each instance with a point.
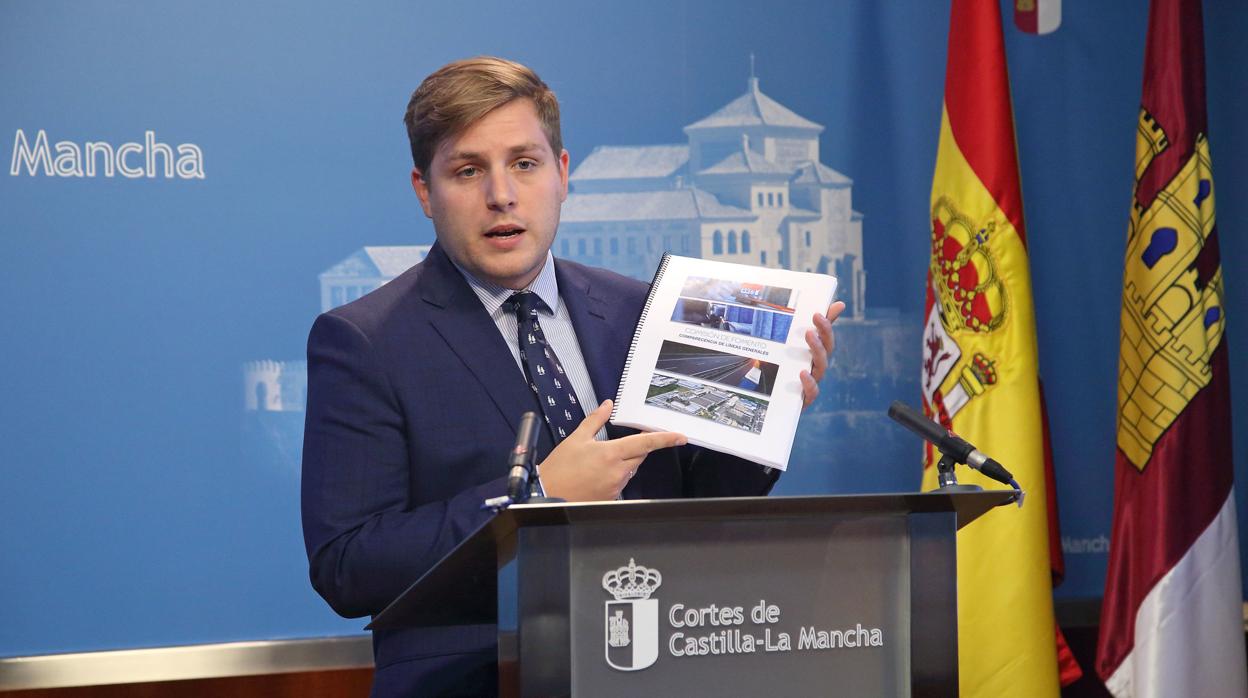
(556, 325)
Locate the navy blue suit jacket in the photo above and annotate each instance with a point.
(413, 402)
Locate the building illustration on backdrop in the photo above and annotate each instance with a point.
(365, 271)
(746, 186)
(275, 386)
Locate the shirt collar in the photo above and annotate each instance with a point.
(493, 296)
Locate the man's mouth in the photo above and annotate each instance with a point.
(504, 231)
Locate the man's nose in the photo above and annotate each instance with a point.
(500, 191)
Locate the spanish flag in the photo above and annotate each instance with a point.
(980, 370)
(1171, 622)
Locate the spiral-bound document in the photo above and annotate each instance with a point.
(718, 353)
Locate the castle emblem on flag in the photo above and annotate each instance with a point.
(1172, 316)
(631, 621)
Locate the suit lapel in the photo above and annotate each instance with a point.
(458, 316)
(605, 334)
(603, 337)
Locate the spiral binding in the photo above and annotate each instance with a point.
(641, 322)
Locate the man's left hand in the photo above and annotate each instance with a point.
(821, 344)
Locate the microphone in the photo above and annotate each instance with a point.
(948, 442)
(521, 459)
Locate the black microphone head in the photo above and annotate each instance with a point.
(913, 420)
(898, 408)
(932, 432)
(527, 432)
(520, 460)
(522, 453)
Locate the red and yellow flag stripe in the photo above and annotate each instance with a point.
(980, 375)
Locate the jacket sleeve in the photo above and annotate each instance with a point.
(365, 541)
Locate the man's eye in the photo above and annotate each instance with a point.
(467, 172)
(526, 164)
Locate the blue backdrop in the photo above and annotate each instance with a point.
(144, 500)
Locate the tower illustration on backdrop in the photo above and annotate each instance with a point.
(746, 186)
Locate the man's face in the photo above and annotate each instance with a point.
(494, 193)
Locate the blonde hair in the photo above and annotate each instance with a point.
(459, 94)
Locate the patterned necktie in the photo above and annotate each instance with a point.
(550, 385)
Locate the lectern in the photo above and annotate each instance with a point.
(784, 596)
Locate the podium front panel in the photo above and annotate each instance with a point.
(805, 605)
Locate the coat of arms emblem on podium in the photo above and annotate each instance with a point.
(632, 619)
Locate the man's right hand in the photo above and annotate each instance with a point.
(582, 469)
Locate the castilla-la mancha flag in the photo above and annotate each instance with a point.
(980, 370)
(1171, 622)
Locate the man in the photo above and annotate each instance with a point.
(415, 390)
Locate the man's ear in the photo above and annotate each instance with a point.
(563, 175)
(421, 187)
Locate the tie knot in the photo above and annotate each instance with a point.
(526, 303)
